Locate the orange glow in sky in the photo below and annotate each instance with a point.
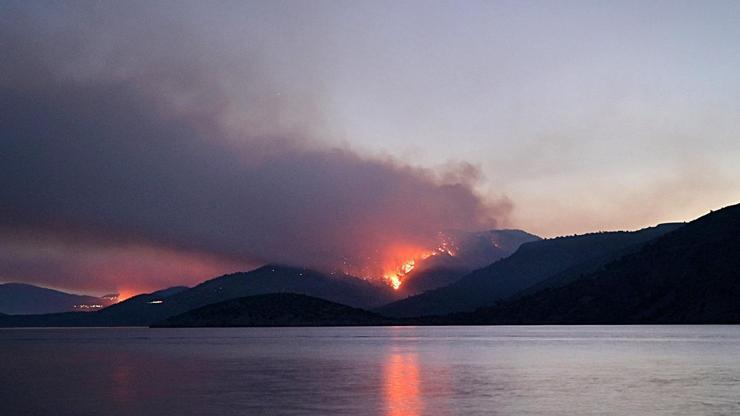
(124, 294)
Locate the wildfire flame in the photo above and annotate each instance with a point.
(397, 270)
(394, 276)
(396, 261)
(394, 280)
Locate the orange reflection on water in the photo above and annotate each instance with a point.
(401, 385)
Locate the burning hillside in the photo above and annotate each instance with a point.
(457, 250)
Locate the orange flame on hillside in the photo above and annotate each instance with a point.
(404, 259)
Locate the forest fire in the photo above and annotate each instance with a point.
(394, 280)
(405, 260)
(395, 275)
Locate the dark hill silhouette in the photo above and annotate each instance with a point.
(434, 272)
(23, 299)
(137, 310)
(691, 275)
(277, 309)
(146, 309)
(344, 289)
(533, 263)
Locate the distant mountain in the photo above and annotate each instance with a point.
(22, 299)
(532, 264)
(155, 307)
(277, 309)
(472, 250)
(691, 275)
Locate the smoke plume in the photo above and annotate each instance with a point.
(136, 149)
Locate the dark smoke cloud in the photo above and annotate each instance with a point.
(118, 136)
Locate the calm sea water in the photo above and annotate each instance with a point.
(583, 370)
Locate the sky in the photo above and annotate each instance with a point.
(148, 144)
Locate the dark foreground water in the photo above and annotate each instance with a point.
(586, 370)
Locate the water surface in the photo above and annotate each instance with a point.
(558, 370)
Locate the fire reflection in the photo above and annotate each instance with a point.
(401, 385)
(123, 381)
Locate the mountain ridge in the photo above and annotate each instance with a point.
(686, 276)
(532, 263)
